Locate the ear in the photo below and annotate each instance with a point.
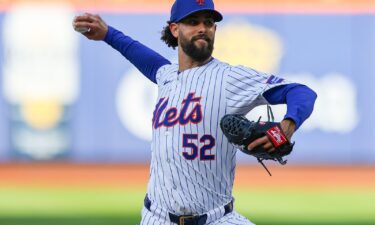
(174, 29)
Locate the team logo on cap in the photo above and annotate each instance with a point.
(200, 2)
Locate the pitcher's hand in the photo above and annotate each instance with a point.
(95, 26)
(288, 127)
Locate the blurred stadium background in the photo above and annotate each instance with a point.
(75, 116)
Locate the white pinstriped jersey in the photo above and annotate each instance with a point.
(192, 163)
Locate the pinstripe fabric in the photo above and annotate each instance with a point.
(192, 164)
(245, 87)
(233, 218)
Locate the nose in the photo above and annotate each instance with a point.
(202, 28)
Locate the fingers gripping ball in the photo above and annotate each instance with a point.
(78, 27)
(241, 132)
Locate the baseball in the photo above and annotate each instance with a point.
(82, 29)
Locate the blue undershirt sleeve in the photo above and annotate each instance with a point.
(145, 59)
(299, 99)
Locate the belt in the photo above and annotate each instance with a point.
(189, 219)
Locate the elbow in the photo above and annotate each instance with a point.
(313, 94)
(309, 94)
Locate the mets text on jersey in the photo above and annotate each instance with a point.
(172, 116)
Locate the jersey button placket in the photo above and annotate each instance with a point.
(168, 135)
(177, 84)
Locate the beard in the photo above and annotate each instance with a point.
(199, 54)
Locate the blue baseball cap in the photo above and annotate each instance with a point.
(184, 8)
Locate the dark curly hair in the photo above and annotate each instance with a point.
(168, 38)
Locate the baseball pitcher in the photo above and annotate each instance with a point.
(193, 162)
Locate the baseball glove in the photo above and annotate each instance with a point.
(241, 132)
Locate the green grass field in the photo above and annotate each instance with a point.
(115, 206)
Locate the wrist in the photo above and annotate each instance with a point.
(288, 126)
(108, 35)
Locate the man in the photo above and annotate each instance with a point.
(192, 164)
